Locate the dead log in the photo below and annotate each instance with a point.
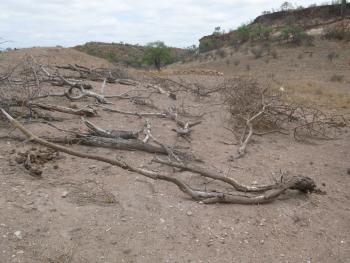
(97, 131)
(209, 173)
(301, 183)
(88, 112)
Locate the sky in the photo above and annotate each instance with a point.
(179, 23)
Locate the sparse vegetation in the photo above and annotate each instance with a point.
(257, 51)
(274, 53)
(221, 53)
(341, 32)
(337, 78)
(332, 55)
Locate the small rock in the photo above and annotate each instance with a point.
(162, 220)
(18, 234)
(64, 194)
(20, 252)
(55, 167)
(262, 241)
(189, 213)
(348, 171)
(92, 166)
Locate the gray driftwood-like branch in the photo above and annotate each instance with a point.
(304, 184)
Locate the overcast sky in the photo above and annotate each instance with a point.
(178, 23)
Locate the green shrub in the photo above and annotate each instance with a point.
(157, 54)
(209, 44)
(243, 33)
(111, 57)
(293, 34)
(260, 32)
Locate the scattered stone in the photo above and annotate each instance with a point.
(162, 220)
(64, 194)
(18, 234)
(189, 213)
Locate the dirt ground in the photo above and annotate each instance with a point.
(87, 211)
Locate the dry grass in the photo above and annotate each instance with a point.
(311, 94)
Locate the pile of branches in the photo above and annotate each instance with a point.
(238, 194)
(24, 85)
(28, 84)
(21, 83)
(98, 74)
(257, 110)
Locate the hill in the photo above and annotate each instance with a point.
(125, 54)
(315, 20)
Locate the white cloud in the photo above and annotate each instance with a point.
(71, 22)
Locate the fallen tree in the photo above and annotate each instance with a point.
(301, 183)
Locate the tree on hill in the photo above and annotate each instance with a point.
(157, 54)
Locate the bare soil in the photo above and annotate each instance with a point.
(87, 211)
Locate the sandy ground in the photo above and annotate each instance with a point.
(88, 211)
